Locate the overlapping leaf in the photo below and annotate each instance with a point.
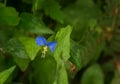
(33, 24)
(17, 50)
(30, 46)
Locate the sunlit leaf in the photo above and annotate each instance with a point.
(62, 50)
(5, 74)
(30, 46)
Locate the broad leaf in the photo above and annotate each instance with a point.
(44, 69)
(33, 24)
(9, 16)
(5, 74)
(62, 50)
(17, 50)
(79, 14)
(30, 46)
(93, 75)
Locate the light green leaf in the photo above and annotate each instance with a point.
(30, 46)
(93, 75)
(33, 24)
(62, 50)
(9, 16)
(62, 75)
(5, 74)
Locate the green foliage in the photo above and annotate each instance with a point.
(30, 46)
(5, 74)
(44, 70)
(9, 16)
(93, 75)
(87, 50)
(63, 46)
(33, 24)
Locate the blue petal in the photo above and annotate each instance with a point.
(40, 41)
(52, 45)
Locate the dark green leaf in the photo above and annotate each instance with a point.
(52, 8)
(17, 50)
(9, 16)
(75, 54)
(37, 5)
(93, 75)
(44, 70)
(33, 24)
(79, 14)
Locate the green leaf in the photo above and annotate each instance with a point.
(75, 54)
(63, 44)
(5, 74)
(33, 24)
(17, 50)
(52, 8)
(79, 14)
(62, 75)
(44, 69)
(93, 75)
(22, 63)
(37, 5)
(30, 46)
(9, 16)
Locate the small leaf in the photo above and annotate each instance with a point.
(63, 44)
(93, 75)
(37, 5)
(52, 8)
(33, 24)
(31, 47)
(5, 74)
(9, 16)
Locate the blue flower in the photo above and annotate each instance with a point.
(41, 41)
